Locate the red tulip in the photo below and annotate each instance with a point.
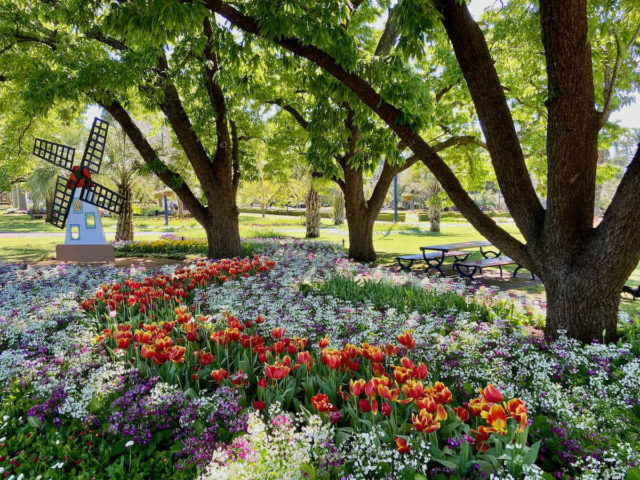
(321, 403)
(491, 394)
(219, 375)
(262, 383)
(324, 341)
(356, 387)
(402, 446)
(206, 359)
(420, 371)
(258, 405)
(304, 358)
(276, 371)
(385, 409)
(462, 413)
(364, 405)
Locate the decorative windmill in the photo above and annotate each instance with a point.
(77, 198)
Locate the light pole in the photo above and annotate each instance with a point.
(395, 199)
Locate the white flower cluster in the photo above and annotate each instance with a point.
(281, 447)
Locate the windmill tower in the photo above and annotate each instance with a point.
(77, 198)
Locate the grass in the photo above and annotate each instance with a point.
(390, 240)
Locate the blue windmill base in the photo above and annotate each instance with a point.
(84, 240)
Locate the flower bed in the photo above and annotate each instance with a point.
(181, 373)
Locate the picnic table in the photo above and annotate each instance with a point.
(435, 255)
(458, 251)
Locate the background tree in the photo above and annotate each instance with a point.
(112, 56)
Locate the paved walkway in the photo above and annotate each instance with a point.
(61, 234)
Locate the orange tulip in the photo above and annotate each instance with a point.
(278, 332)
(425, 422)
(497, 418)
(518, 411)
(477, 406)
(388, 394)
(147, 351)
(324, 341)
(413, 389)
(356, 387)
(406, 340)
(332, 358)
(176, 354)
(426, 403)
(401, 374)
(402, 446)
(491, 394)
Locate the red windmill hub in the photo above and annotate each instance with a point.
(81, 175)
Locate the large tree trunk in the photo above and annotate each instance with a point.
(313, 217)
(221, 226)
(360, 223)
(124, 229)
(360, 217)
(582, 302)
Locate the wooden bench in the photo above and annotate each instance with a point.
(475, 266)
(633, 291)
(432, 259)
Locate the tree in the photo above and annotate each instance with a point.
(346, 141)
(123, 167)
(110, 56)
(583, 268)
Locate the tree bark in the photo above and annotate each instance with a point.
(124, 229)
(338, 209)
(313, 213)
(581, 302)
(222, 229)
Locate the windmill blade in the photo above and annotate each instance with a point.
(102, 197)
(94, 151)
(62, 198)
(59, 155)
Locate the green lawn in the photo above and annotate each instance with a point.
(390, 239)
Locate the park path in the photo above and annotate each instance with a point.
(61, 234)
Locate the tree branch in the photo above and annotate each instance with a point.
(458, 142)
(170, 178)
(294, 113)
(389, 35)
(604, 115)
(495, 117)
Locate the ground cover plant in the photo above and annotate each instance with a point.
(238, 369)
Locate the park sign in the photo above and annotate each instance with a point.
(77, 197)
